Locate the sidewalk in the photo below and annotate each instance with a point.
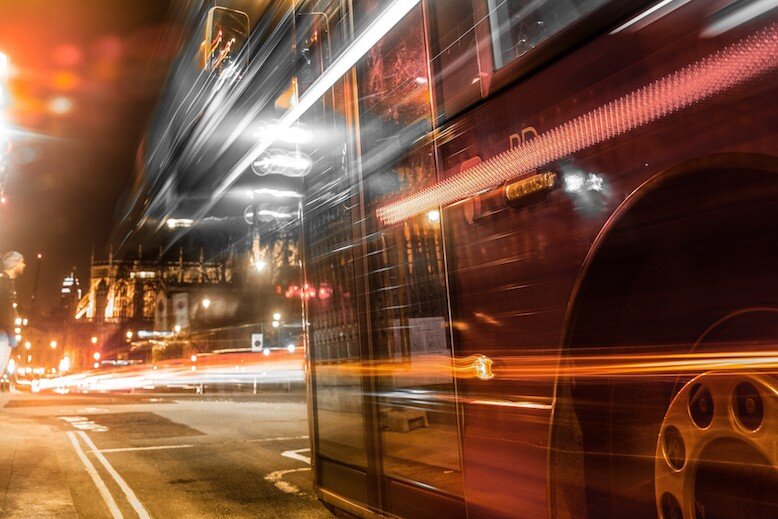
(32, 480)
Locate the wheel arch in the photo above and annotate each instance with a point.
(723, 161)
(758, 163)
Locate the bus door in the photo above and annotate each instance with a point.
(328, 288)
(385, 421)
(410, 349)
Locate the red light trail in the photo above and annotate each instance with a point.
(722, 70)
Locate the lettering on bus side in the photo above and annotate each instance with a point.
(520, 139)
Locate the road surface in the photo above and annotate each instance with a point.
(99, 456)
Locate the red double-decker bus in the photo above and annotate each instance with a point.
(538, 246)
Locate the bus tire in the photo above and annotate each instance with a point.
(690, 267)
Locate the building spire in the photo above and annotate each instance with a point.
(180, 264)
(202, 264)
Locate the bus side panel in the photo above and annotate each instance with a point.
(513, 267)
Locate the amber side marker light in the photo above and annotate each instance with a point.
(540, 183)
(483, 367)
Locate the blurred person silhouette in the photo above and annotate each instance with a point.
(12, 264)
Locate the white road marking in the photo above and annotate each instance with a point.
(152, 448)
(128, 493)
(284, 486)
(295, 455)
(282, 438)
(83, 423)
(205, 444)
(277, 477)
(99, 483)
(71, 419)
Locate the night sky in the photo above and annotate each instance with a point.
(85, 77)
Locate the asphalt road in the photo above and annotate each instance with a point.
(156, 456)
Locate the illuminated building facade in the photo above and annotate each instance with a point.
(70, 295)
(126, 291)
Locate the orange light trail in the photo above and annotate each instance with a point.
(549, 367)
(231, 368)
(282, 366)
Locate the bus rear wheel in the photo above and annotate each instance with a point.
(687, 269)
(716, 454)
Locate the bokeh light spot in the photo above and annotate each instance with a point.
(67, 55)
(60, 105)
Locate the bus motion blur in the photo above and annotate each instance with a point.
(537, 242)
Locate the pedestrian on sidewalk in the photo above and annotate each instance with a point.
(12, 264)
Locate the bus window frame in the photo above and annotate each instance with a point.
(560, 43)
(494, 80)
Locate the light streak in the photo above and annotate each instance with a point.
(291, 135)
(275, 214)
(179, 223)
(292, 165)
(5, 66)
(276, 193)
(361, 45)
(704, 78)
(211, 369)
(511, 403)
(548, 367)
(648, 12)
(741, 14)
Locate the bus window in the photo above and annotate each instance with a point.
(453, 56)
(518, 26)
(407, 294)
(226, 33)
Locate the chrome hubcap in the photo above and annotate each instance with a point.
(720, 431)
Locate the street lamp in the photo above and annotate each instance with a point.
(259, 265)
(206, 303)
(94, 340)
(129, 334)
(53, 345)
(96, 355)
(277, 316)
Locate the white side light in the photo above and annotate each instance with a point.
(290, 135)
(179, 223)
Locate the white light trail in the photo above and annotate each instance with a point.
(648, 12)
(380, 26)
(276, 214)
(739, 16)
(276, 193)
(291, 135)
(179, 223)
